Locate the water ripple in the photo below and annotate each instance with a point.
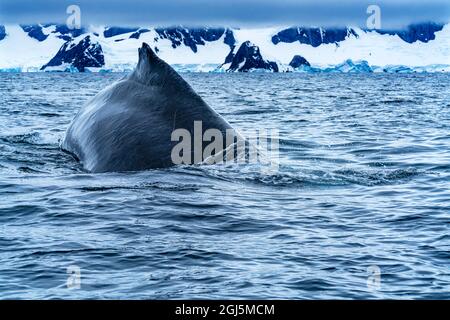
(362, 181)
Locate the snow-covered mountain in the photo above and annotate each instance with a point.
(52, 47)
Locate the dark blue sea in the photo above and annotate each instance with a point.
(358, 209)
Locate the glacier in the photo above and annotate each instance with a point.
(52, 47)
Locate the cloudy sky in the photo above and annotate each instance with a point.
(394, 13)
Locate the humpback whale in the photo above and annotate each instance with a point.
(128, 125)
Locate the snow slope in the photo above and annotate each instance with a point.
(20, 51)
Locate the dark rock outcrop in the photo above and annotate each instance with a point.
(138, 33)
(229, 38)
(423, 32)
(193, 37)
(82, 55)
(61, 31)
(67, 34)
(2, 32)
(313, 36)
(115, 31)
(34, 31)
(298, 61)
(249, 58)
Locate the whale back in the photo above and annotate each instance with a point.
(153, 71)
(128, 125)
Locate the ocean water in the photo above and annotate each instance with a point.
(359, 208)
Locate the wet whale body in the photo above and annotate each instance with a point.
(128, 126)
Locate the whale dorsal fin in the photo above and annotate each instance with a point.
(153, 71)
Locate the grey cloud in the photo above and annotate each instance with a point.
(395, 13)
